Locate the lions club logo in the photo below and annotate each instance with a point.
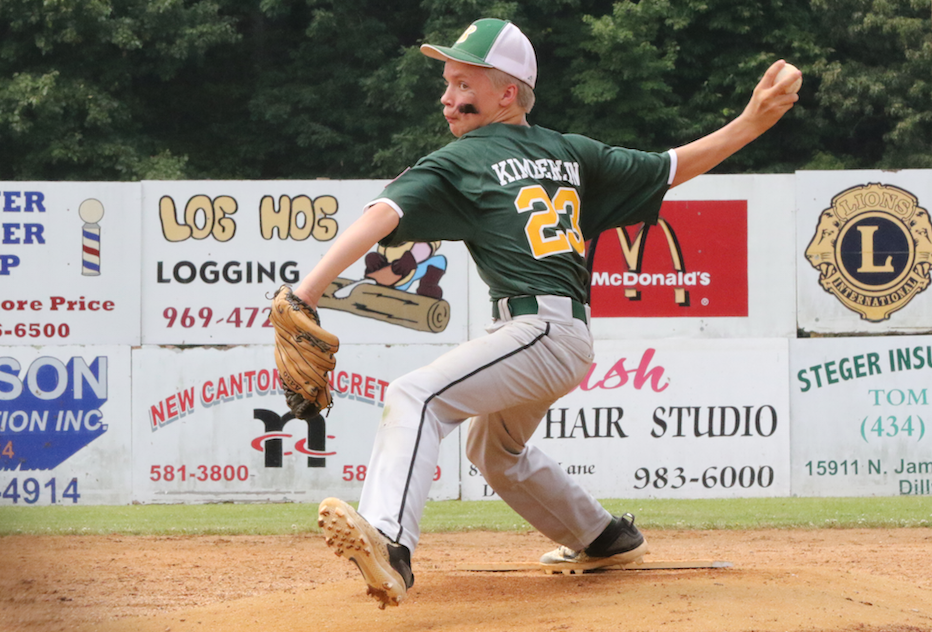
(873, 249)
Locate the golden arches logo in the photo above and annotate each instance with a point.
(633, 253)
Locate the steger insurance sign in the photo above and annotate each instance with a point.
(692, 263)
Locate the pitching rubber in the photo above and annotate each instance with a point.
(352, 537)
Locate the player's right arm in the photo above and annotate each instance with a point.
(767, 105)
(377, 222)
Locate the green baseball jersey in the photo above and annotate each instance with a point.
(524, 200)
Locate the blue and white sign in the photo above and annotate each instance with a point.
(64, 425)
(69, 263)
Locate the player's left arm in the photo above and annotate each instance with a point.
(377, 222)
(768, 104)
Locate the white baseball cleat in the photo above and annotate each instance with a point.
(625, 545)
(385, 566)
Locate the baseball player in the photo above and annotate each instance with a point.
(524, 200)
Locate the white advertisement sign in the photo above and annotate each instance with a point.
(864, 251)
(718, 264)
(862, 416)
(672, 419)
(65, 425)
(213, 253)
(213, 425)
(69, 263)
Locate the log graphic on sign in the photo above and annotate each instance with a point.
(387, 304)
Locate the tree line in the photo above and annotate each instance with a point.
(302, 89)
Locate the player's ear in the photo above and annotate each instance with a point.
(509, 95)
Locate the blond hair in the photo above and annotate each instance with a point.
(500, 79)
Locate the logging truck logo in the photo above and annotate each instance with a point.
(873, 249)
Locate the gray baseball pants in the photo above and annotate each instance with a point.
(504, 382)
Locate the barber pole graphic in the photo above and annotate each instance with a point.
(91, 211)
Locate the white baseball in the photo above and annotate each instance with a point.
(787, 69)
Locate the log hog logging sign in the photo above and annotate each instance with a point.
(400, 285)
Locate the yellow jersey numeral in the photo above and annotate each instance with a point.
(566, 201)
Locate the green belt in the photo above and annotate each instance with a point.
(524, 305)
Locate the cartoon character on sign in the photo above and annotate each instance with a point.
(400, 266)
(873, 249)
(385, 292)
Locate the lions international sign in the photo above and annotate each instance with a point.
(873, 249)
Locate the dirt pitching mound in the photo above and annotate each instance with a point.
(864, 580)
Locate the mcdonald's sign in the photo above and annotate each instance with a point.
(693, 263)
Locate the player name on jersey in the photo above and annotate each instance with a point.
(514, 169)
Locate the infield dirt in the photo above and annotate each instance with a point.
(864, 580)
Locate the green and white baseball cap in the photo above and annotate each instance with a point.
(492, 43)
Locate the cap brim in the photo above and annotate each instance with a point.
(444, 53)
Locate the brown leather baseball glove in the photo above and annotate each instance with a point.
(303, 353)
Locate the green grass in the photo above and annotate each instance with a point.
(290, 518)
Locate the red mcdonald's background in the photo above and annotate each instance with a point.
(693, 263)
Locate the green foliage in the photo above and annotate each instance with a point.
(136, 89)
(876, 81)
(72, 77)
